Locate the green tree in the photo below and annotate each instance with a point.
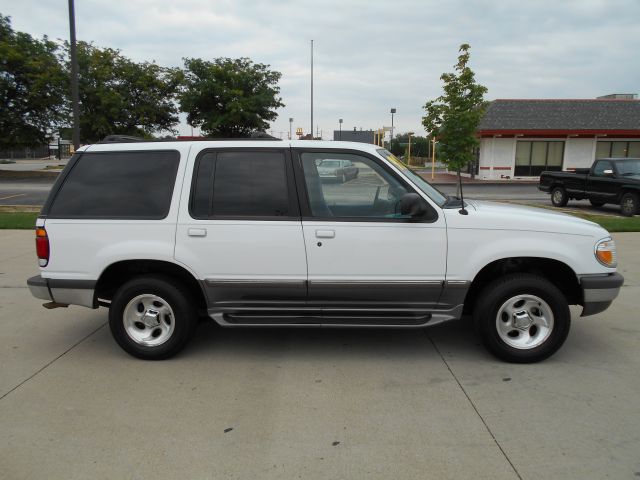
(120, 96)
(454, 116)
(32, 88)
(419, 145)
(229, 97)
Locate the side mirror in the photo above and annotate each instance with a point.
(412, 204)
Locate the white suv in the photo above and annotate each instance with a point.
(247, 233)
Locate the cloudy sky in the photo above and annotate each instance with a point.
(369, 55)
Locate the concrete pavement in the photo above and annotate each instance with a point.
(312, 403)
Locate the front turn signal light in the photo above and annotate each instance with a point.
(606, 253)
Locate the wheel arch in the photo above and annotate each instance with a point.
(557, 272)
(116, 274)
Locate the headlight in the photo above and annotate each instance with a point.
(606, 253)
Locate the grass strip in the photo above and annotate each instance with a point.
(18, 220)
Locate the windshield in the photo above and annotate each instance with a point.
(628, 167)
(433, 193)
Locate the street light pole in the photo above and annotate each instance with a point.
(75, 97)
(340, 123)
(290, 127)
(393, 110)
(311, 90)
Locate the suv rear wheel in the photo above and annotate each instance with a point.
(152, 318)
(522, 318)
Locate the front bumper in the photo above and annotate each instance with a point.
(598, 291)
(69, 292)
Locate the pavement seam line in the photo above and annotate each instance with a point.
(53, 361)
(473, 406)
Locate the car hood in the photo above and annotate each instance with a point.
(501, 216)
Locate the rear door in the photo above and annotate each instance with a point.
(239, 229)
(361, 253)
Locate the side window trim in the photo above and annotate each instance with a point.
(294, 207)
(303, 198)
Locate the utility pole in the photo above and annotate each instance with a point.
(290, 127)
(75, 98)
(311, 90)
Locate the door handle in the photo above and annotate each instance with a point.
(197, 232)
(325, 233)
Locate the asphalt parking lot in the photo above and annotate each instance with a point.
(312, 403)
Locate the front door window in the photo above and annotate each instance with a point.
(344, 185)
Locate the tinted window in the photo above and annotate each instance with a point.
(118, 185)
(600, 167)
(241, 184)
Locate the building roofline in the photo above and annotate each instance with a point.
(565, 100)
(538, 131)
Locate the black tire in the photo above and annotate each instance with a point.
(559, 197)
(629, 204)
(512, 287)
(181, 324)
(595, 203)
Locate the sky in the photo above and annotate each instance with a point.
(371, 55)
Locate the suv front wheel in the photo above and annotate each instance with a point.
(522, 318)
(152, 318)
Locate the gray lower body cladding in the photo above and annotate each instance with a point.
(334, 303)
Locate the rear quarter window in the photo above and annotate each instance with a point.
(118, 185)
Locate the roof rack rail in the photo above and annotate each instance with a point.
(122, 139)
(132, 139)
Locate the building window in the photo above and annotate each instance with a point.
(617, 150)
(532, 158)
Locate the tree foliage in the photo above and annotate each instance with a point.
(454, 116)
(120, 96)
(419, 145)
(33, 86)
(229, 97)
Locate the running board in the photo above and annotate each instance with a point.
(335, 318)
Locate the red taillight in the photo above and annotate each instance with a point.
(42, 246)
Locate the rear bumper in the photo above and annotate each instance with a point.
(70, 292)
(599, 291)
(544, 188)
(39, 288)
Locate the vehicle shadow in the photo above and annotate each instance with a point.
(336, 343)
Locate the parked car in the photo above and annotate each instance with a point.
(340, 170)
(609, 180)
(248, 234)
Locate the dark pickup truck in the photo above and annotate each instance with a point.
(609, 180)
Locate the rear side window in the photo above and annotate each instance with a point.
(240, 184)
(118, 185)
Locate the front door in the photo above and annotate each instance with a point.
(242, 233)
(362, 254)
(603, 186)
